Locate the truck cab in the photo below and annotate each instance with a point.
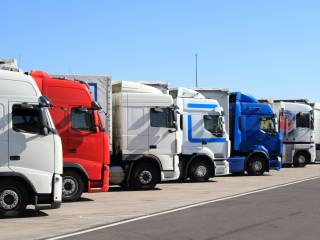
(85, 143)
(256, 143)
(146, 139)
(30, 148)
(297, 128)
(205, 142)
(316, 125)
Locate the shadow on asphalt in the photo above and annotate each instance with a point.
(29, 213)
(82, 199)
(121, 189)
(187, 181)
(244, 175)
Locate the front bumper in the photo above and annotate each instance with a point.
(275, 163)
(56, 198)
(222, 167)
(172, 174)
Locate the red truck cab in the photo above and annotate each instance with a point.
(85, 142)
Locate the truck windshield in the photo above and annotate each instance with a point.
(27, 120)
(268, 125)
(82, 119)
(303, 120)
(214, 124)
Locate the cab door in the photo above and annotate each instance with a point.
(84, 142)
(31, 151)
(162, 132)
(193, 132)
(4, 120)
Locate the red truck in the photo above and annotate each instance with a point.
(85, 142)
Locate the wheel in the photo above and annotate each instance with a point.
(200, 171)
(13, 198)
(144, 176)
(72, 186)
(300, 159)
(256, 166)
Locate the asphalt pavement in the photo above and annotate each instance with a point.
(289, 212)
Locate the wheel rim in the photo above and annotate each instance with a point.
(301, 159)
(9, 199)
(70, 186)
(145, 177)
(257, 166)
(201, 171)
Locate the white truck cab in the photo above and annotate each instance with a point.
(296, 126)
(146, 141)
(316, 125)
(205, 141)
(30, 148)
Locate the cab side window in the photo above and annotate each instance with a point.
(27, 120)
(213, 124)
(267, 125)
(303, 120)
(161, 117)
(82, 119)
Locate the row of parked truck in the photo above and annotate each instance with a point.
(62, 135)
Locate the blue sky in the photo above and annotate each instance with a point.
(265, 48)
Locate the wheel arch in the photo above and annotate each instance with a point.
(22, 179)
(303, 151)
(260, 154)
(196, 157)
(78, 168)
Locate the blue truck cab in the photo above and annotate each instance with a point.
(256, 145)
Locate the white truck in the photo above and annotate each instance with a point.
(205, 142)
(30, 148)
(316, 125)
(141, 121)
(296, 125)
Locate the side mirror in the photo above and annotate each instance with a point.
(96, 106)
(44, 102)
(45, 131)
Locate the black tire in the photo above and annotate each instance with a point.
(144, 176)
(200, 170)
(72, 186)
(256, 166)
(13, 198)
(300, 159)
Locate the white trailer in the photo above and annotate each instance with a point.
(30, 148)
(141, 122)
(205, 142)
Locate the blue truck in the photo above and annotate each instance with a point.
(256, 145)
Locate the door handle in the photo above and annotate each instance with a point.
(15, 158)
(204, 142)
(153, 146)
(72, 150)
(172, 130)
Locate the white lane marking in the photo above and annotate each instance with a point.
(179, 209)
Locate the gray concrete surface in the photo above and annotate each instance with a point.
(103, 208)
(291, 212)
